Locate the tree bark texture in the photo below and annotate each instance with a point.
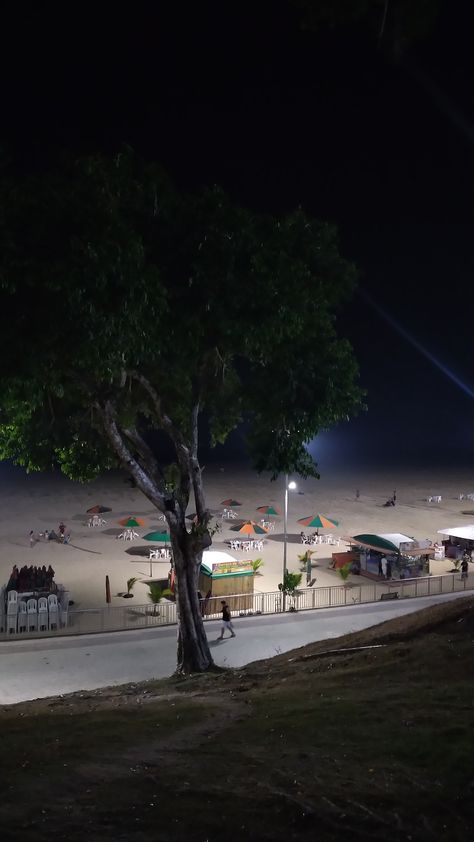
(194, 654)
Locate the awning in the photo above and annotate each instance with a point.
(466, 532)
(391, 542)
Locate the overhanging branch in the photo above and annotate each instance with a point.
(116, 439)
(180, 444)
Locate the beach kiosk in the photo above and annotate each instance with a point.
(407, 557)
(222, 575)
(455, 542)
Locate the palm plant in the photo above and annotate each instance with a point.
(257, 564)
(303, 558)
(156, 593)
(344, 572)
(289, 586)
(130, 585)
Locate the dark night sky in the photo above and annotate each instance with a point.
(279, 117)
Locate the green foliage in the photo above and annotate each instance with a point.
(156, 593)
(290, 584)
(108, 272)
(172, 477)
(344, 572)
(303, 558)
(257, 563)
(131, 583)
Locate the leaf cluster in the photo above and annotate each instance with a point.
(106, 272)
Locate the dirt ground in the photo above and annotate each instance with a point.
(368, 735)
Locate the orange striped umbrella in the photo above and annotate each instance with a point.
(250, 528)
(319, 522)
(268, 510)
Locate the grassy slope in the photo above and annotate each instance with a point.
(362, 745)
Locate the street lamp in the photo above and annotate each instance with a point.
(289, 486)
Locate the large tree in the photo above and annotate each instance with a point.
(129, 308)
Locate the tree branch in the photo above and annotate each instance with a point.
(176, 436)
(143, 481)
(196, 472)
(145, 451)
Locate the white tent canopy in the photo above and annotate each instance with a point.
(210, 557)
(396, 538)
(466, 532)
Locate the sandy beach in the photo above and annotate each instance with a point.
(38, 502)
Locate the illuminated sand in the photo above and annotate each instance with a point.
(41, 502)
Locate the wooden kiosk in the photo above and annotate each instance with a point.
(222, 575)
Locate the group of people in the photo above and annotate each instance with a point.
(63, 535)
(31, 579)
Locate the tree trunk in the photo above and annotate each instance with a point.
(194, 654)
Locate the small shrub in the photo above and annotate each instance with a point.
(344, 572)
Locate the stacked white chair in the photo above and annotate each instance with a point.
(63, 611)
(2, 609)
(32, 608)
(11, 622)
(12, 612)
(53, 622)
(22, 623)
(12, 602)
(42, 614)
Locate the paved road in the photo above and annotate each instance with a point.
(32, 669)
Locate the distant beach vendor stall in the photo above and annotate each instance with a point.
(457, 540)
(388, 555)
(223, 575)
(457, 543)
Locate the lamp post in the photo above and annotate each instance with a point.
(289, 486)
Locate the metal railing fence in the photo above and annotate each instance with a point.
(127, 617)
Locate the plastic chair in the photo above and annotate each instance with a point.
(32, 607)
(64, 612)
(11, 622)
(12, 601)
(22, 623)
(42, 614)
(53, 612)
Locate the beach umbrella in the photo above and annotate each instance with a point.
(98, 510)
(157, 537)
(230, 502)
(268, 510)
(318, 522)
(131, 522)
(250, 528)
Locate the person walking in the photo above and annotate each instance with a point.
(226, 620)
(464, 568)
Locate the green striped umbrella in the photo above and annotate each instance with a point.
(250, 528)
(318, 522)
(268, 510)
(157, 537)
